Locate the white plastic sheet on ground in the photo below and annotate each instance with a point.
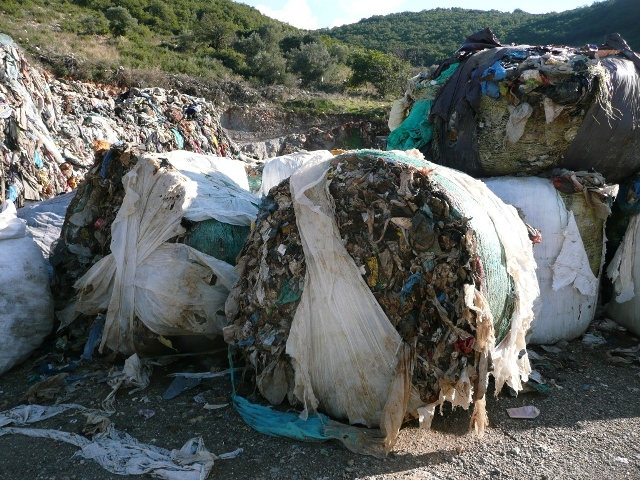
(26, 305)
(624, 272)
(277, 169)
(117, 451)
(568, 288)
(167, 286)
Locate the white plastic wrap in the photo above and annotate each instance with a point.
(167, 286)
(278, 169)
(26, 306)
(222, 191)
(624, 272)
(568, 288)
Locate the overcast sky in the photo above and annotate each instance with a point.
(314, 14)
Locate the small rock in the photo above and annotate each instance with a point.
(350, 463)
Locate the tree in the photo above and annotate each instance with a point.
(120, 21)
(214, 31)
(386, 72)
(310, 61)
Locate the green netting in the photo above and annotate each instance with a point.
(416, 130)
(220, 240)
(499, 284)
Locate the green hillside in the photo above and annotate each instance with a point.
(432, 35)
(144, 42)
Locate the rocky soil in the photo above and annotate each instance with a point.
(587, 428)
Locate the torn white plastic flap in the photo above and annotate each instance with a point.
(620, 270)
(167, 286)
(572, 265)
(222, 187)
(343, 348)
(277, 169)
(10, 225)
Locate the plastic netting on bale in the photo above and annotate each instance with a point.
(372, 277)
(525, 109)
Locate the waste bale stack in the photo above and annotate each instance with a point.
(505, 110)
(372, 275)
(148, 241)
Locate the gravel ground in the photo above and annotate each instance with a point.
(587, 428)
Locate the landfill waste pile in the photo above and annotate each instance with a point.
(506, 110)
(150, 240)
(50, 125)
(374, 277)
(570, 209)
(26, 306)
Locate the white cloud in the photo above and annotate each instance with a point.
(354, 10)
(294, 12)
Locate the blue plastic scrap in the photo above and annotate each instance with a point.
(411, 281)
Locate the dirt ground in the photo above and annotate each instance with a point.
(588, 426)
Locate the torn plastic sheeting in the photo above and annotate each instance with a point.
(565, 313)
(128, 282)
(277, 169)
(222, 187)
(572, 265)
(120, 453)
(624, 272)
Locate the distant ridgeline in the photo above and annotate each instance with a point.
(428, 37)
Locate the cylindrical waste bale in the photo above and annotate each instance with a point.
(624, 271)
(569, 257)
(355, 261)
(511, 110)
(150, 241)
(26, 306)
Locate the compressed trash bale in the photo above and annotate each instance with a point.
(26, 306)
(150, 283)
(569, 257)
(624, 272)
(505, 110)
(404, 254)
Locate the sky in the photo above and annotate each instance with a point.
(314, 14)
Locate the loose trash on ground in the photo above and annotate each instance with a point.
(116, 451)
(505, 110)
(527, 412)
(419, 254)
(570, 254)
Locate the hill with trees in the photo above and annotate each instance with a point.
(144, 42)
(429, 36)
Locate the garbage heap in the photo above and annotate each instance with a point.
(146, 242)
(32, 166)
(50, 126)
(373, 277)
(506, 110)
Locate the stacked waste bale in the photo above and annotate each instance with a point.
(359, 259)
(565, 114)
(570, 252)
(200, 204)
(505, 110)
